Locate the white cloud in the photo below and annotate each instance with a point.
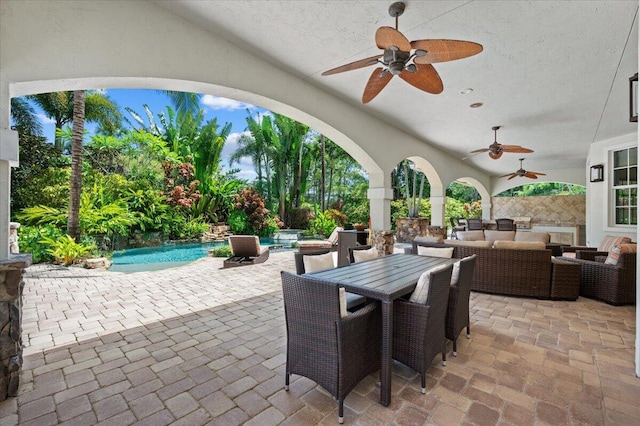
(45, 120)
(216, 102)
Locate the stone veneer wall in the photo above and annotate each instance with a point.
(407, 228)
(556, 210)
(11, 285)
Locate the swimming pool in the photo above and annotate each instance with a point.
(170, 255)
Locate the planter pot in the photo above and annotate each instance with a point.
(407, 228)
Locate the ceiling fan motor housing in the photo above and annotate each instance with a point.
(395, 60)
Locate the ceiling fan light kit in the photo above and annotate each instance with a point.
(397, 58)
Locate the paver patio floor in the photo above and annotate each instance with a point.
(198, 345)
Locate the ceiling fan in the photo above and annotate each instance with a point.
(523, 173)
(414, 68)
(497, 149)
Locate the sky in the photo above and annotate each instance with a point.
(225, 110)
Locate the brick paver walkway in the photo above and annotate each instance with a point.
(199, 345)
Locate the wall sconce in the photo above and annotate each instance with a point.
(633, 98)
(597, 173)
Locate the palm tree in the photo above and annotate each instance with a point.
(73, 228)
(60, 106)
(24, 117)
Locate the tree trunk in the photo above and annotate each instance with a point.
(73, 228)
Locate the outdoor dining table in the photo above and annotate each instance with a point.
(385, 279)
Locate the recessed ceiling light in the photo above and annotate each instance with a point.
(466, 91)
(476, 105)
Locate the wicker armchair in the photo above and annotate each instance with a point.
(458, 306)
(613, 284)
(337, 353)
(419, 330)
(353, 300)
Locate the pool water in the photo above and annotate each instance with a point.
(168, 255)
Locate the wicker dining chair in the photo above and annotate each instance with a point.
(419, 329)
(336, 352)
(353, 300)
(474, 225)
(458, 306)
(505, 225)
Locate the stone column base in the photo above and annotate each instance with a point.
(11, 286)
(383, 242)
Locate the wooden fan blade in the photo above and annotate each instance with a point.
(516, 148)
(354, 65)
(508, 174)
(530, 175)
(512, 176)
(426, 78)
(538, 173)
(388, 36)
(480, 150)
(473, 154)
(444, 50)
(376, 83)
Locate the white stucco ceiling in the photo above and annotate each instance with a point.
(554, 74)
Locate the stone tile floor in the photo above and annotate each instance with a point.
(199, 345)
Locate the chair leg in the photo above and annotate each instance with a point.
(341, 411)
(468, 331)
(286, 381)
(444, 355)
(455, 347)
(423, 382)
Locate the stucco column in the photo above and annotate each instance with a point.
(380, 208)
(437, 210)
(8, 158)
(486, 210)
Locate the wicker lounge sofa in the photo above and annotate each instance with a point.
(514, 271)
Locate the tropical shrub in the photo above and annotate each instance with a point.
(65, 250)
(399, 209)
(222, 251)
(323, 224)
(180, 186)
(257, 215)
(338, 217)
(238, 222)
(30, 241)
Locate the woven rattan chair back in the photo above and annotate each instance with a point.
(336, 353)
(505, 225)
(474, 224)
(458, 306)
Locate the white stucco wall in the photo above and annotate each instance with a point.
(599, 193)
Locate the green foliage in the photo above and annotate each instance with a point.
(399, 209)
(257, 215)
(65, 250)
(322, 225)
(338, 217)
(217, 198)
(461, 192)
(222, 251)
(547, 188)
(30, 241)
(238, 222)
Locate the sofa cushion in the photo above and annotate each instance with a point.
(362, 255)
(343, 302)
(446, 252)
(318, 262)
(499, 235)
(455, 273)
(523, 245)
(615, 252)
(428, 239)
(609, 242)
(481, 244)
(532, 236)
(470, 235)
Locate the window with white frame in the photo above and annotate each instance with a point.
(624, 184)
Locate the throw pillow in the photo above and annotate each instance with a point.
(615, 252)
(318, 262)
(343, 302)
(446, 252)
(421, 293)
(362, 255)
(455, 274)
(609, 242)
